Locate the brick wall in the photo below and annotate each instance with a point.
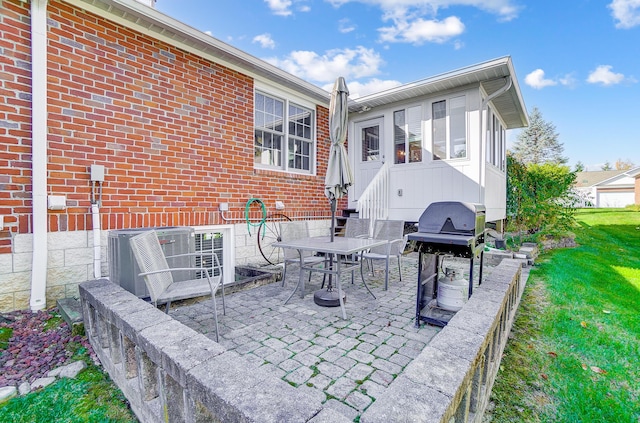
(173, 131)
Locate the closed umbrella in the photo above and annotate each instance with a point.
(339, 176)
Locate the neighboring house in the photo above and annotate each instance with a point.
(115, 116)
(609, 188)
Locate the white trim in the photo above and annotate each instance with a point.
(228, 247)
(38, 299)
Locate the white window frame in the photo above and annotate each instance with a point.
(496, 153)
(228, 248)
(429, 138)
(285, 153)
(407, 149)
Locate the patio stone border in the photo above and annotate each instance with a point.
(169, 372)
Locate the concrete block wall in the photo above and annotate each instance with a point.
(451, 379)
(168, 372)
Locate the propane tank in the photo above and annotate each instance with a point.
(453, 292)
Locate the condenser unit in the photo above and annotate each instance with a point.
(123, 269)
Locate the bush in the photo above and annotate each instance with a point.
(539, 197)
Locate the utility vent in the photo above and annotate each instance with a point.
(123, 269)
(211, 243)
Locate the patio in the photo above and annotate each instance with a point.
(347, 364)
(339, 368)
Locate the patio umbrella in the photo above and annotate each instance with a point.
(339, 176)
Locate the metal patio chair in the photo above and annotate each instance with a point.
(159, 279)
(356, 228)
(296, 230)
(393, 232)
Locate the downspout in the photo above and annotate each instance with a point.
(484, 127)
(95, 217)
(38, 299)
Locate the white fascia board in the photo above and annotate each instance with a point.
(141, 18)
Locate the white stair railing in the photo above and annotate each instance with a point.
(373, 203)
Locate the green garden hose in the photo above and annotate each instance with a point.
(246, 213)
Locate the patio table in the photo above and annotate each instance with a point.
(340, 248)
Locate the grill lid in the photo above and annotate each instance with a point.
(452, 217)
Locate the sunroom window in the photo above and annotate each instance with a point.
(449, 128)
(277, 120)
(407, 135)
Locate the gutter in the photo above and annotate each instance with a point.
(38, 299)
(484, 127)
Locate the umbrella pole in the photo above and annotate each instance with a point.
(330, 297)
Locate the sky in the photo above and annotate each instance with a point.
(577, 61)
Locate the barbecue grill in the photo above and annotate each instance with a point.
(450, 228)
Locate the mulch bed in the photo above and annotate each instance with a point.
(33, 350)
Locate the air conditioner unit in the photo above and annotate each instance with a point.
(123, 269)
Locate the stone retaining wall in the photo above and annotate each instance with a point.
(169, 372)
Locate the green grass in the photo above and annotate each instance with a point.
(91, 397)
(574, 355)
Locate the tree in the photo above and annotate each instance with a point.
(579, 167)
(539, 142)
(624, 164)
(606, 166)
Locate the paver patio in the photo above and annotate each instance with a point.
(347, 364)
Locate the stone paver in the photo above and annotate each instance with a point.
(349, 363)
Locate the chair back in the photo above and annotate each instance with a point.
(390, 230)
(356, 228)
(150, 257)
(294, 230)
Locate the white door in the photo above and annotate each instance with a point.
(369, 153)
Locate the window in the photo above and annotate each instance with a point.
(449, 128)
(371, 143)
(496, 140)
(407, 135)
(271, 114)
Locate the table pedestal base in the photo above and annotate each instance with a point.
(325, 298)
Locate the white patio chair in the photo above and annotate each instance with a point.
(393, 232)
(159, 279)
(296, 230)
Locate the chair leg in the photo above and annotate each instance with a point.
(363, 281)
(167, 307)
(215, 317)
(224, 307)
(386, 273)
(399, 269)
(284, 272)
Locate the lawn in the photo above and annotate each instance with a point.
(574, 352)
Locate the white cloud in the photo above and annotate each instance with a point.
(279, 7)
(605, 76)
(345, 26)
(360, 89)
(626, 13)
(537, 80)
(417, 21)
(349, 63)
(420, 30)
(505, 9)
(265, 40)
